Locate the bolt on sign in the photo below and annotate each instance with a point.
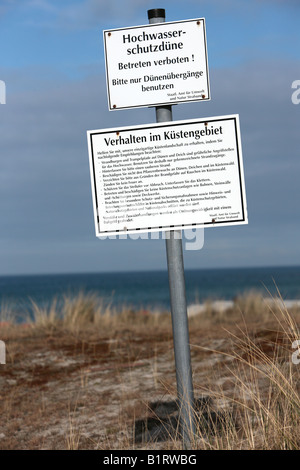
(156, 64)
(167, 176)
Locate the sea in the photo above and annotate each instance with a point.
(145, 290)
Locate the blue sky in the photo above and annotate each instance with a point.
(52, 61)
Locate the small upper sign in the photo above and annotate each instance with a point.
(156, 64)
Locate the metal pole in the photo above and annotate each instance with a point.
(178, 301)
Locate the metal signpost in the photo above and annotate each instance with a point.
(169, 175)
(185, 391)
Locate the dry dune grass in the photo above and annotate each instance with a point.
(265, 399)
(82, 376)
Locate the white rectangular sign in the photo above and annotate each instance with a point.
(155, 64)
(167, 176)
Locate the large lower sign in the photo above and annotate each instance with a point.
(163, 63)
(158, 177)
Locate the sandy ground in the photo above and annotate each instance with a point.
(115, 389)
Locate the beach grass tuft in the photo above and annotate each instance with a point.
(101, 376)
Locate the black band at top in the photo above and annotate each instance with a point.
(156, 13)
